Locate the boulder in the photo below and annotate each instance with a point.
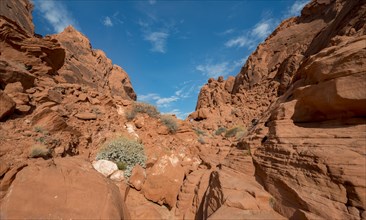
(86, 116)
(49, 120)
(137, 177)
(118, 176)
(7, 105)
(163, 181)
(105, 167)
(68, 188)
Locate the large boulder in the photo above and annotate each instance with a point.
(163, 181)
(67, 188)
(7, 105)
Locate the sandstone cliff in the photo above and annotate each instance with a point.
(301, 95)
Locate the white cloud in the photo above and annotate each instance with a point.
(252, 37)
(166, 101)
(148, 97)
(56, 14)
(178, 113)
(214, 70)
(157, 40)
(220, 69)
(152, 2)
(296, 8)
(157, 99)
(262, 29)
(107, 22)
(240, 41)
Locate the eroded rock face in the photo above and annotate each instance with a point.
(73, 189)
(86, 66)
(302, 97)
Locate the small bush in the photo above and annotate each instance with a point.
(201, 140)
(140, 107)
(170, 122)
(127, 153)
(41, 130)
(272, 202)
(220, 130)
(234, 131)
(39, 151)
(121, 165)
(199, 132)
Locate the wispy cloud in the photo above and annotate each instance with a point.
(157, 40)
(252, 37)
(157, 99)
(215, 70)
(226, 32)
(152, 2)
(262, 29)
(240, 41)
(107, 22)
(296, 8)
(178, 113)
(56, 14)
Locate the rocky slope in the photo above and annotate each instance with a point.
(301, 95)
(285, 138)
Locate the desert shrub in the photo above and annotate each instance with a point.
(234, 131)
(123, 151)
(272, 202)
(201, 140)
(141, 107)
(170, 122)
(121, 165)
(199, 132)
(240, 134)
(39, 150)
(220, 130)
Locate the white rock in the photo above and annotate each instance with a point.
(118, 176)
(131, 130)
(105, 167)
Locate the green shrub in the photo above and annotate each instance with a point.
(122, 150)
(141, 107)
(234, 131)
(121, 165)
(220, 130)
(39, 151)
(170, 122)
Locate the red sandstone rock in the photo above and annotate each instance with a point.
(7, 105)
(137, 178)
(73, 190)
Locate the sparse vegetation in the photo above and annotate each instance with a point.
(199, 132)
(220, 130)
(125, 152)
(201, 140)
(170, 122)
(40, 129)
(272, 201)
(39, 151)
(237, 132)
(141, 107)
(121, 165)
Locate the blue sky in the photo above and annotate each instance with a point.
(169, 48)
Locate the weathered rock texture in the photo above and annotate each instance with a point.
(302, 96)
(64, 188)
